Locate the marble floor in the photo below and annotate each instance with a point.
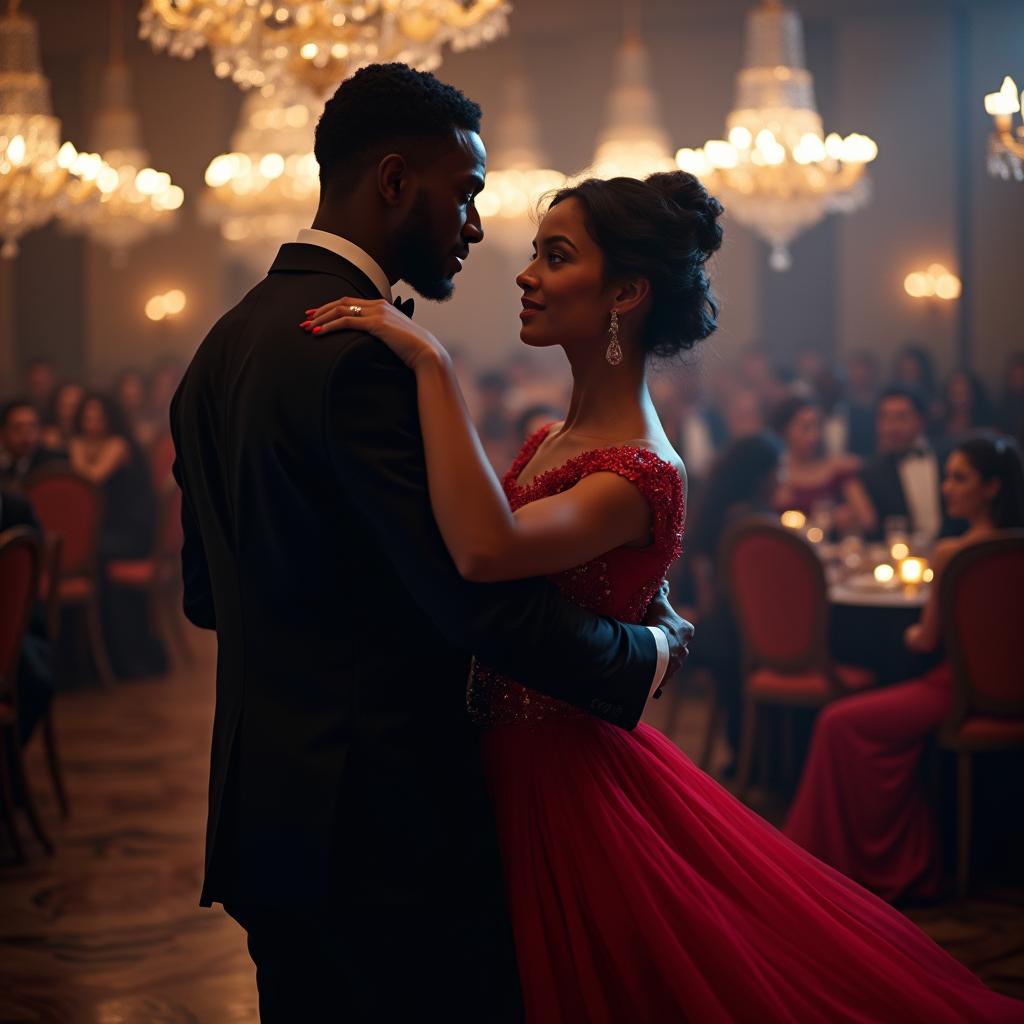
(108, 931)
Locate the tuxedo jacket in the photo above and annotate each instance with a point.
(881, 479)
(15, 475)
(343, 765)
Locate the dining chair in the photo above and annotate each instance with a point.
(19, 573)
(981, 607)
(776, 584)
(69, 506)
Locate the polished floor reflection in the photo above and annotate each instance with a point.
(108, 931)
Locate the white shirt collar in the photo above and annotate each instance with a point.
(348, 251)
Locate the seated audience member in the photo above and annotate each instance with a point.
(678, 398)
(965, 405)
(21, 452)
(861, 806)
(494, 418)
(130, 392)
(35, 680)
(1011, 408)
(40, 384)
(859, 403)
(59, 424)
(914, 368)
(905, 478)
(740, 484)
(741, 413)
(163, 382)
(104, 452)
(809, 367)
(758, 373)
(808, 476)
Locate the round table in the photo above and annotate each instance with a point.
(879, 596)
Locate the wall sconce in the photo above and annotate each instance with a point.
(935, 282)
(169, 304)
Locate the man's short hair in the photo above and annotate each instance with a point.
(11, 407)
(379, 106)
(914, 397)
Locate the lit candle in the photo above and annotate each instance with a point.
(899, 551)
(793, 519)
(912, 571)
(884, 573)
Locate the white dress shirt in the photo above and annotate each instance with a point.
(348, 251)
(372, 269)
(919, 477)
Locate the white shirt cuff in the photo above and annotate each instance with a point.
(661, 642)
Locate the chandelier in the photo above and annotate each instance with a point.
(39, 176)
(317, 43)
(1005, 144)
(777, 173)
(634, 144)
(266, 189)
(516, 177)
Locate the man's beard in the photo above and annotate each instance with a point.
(423, 264)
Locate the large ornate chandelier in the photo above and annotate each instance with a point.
(39, 176)
(634, 144)
(778, 173)
(317, 43)
(1006, 143)
(263, 191)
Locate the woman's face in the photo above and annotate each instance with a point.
(130, 391)
(94, 419)
(964, 491)
(565, 298)
(958, 391)
(803, 435)
(67, 402)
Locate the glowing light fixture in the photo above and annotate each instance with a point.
(934, 282)
(1006, 143)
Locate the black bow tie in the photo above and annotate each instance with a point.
(405, 306)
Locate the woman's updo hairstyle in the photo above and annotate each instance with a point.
(663, 229)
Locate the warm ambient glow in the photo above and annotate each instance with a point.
(815, 534)
(170, 303)
(884, 573)
(936, 281)
(1006, 143)
(793, 519)
(899, 551)
(1005, 101)
(912, 570)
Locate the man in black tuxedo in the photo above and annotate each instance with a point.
(905, 478)
(20, 450)
(349, 831)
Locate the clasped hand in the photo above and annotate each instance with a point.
(408, 340)
(680, 632)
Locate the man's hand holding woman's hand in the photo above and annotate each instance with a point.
(677, 629)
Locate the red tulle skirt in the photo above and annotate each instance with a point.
(641, 891)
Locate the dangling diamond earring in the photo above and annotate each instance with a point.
(614, 351)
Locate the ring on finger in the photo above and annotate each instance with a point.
(355, 310)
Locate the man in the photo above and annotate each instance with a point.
(905, 478)
(20, 450)
(40, 385)
(349, 831)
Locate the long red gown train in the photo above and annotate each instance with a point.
(641, 891)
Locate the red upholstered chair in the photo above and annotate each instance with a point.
(19, 574)
(49, 594)
(161, 459)
(70, 507)
(777, 587)
(981, 604)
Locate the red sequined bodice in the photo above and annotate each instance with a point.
(620, 583)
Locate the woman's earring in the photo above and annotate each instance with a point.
(614, 351)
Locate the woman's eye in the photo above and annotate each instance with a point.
(554, 256)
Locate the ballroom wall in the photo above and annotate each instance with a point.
(911, 74)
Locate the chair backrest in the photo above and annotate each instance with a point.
(19, 570)
(981, 601)
(50, 561)
(71, 507)
(777, 587)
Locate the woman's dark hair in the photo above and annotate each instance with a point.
(663, 229)
(995, 457)
(735, 478)
(117, 423)
(51, 411)
(982, 409)
(788, 409)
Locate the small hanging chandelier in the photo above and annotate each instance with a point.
(1006, 143)
(317, 43)
(778, 173)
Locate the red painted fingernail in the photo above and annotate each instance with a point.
(308, 311)
(305, 323)
(316, 330)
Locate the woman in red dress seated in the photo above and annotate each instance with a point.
(860, 806)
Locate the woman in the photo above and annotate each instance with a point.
(742, 483)
(131, 393)
(104, 452)
(860, 806)
(639, 890)
(60, 423)
(965, 405)
(808, 476)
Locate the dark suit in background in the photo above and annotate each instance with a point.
(14, 473)
(347, 810)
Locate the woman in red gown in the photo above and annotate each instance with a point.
(861, 806)
(639, 890)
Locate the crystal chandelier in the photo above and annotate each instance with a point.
(39, 177)
(266, 189)
(516, 177)
(634, 144)
(317, 43)
(778, 173)
(1006, 143)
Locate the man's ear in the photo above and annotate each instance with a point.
(393, 179)
(632, 294)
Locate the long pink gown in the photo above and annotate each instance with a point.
(640, 891)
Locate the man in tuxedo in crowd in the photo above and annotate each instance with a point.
(349, 830)
(905, 478)
(21, 452)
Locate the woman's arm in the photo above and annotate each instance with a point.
(924, 635)
(485, 539)
(112, 456)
